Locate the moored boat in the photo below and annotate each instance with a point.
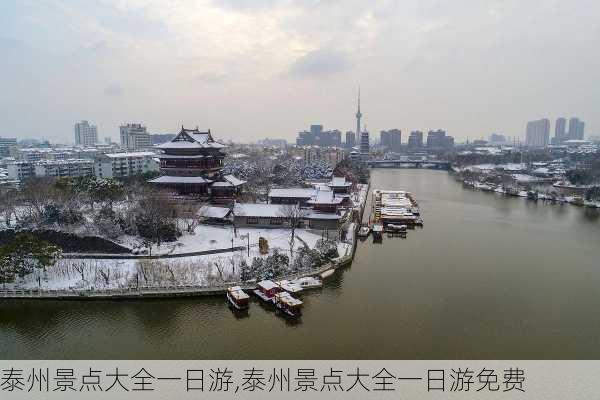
(288, 304)
(377, 232)
(266, 290)
(289, 286)
(396, 228)
(364, 231)
(308, 282)
(238, 298)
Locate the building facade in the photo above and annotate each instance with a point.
(391, 140)
(438, 140)
(576, 129)
(119, 165)
(64, 168)
(415, 140)
(192, 163)
(86, 134)
(350, 139)
(560, 132)
(135, 137)
(319, 137)
(538, 133)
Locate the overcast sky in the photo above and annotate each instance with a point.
(267, 68)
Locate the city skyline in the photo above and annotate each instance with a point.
(200, 62)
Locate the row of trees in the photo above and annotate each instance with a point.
(96, 206)
(25, 254)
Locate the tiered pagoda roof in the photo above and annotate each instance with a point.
(192, 139)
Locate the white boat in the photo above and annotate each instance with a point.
(364, 231)
(289, 287)
(238, 298)
(308, 282)
(397, 228)
(327, 273)
(288, 304)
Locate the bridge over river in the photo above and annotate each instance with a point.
(429, 164)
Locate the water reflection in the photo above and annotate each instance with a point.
(488, 276)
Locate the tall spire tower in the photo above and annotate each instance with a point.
(358, 116)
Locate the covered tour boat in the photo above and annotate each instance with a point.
(266, 290)
(238, 298)
(288, 304)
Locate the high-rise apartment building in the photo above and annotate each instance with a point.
(538, 133)
(135, 137)
(86, 134)
(438, 140)
(560, 130)
(350, 139)
(415, 140)
(391, 140)
(576, 128)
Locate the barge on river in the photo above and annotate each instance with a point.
(395, 208)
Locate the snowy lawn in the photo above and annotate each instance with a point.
(208, 237)
(203, 270)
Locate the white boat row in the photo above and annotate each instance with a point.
(278, 293)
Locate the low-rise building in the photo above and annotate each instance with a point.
(117, 165)
(64, 168)
(291, 195)
(20, 170)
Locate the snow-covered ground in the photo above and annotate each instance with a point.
(193, 270)
(209, 237)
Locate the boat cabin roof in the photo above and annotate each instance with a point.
(267, 285)
(238, 293)
(289, 286)
(287, 299)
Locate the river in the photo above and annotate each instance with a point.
(487, 277)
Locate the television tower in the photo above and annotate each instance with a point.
(358, 116)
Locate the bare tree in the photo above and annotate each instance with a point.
(294, 216)
(37, 193)
(8, 201)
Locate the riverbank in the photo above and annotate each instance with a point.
(488, 278)
(198, 264)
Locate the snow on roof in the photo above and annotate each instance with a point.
(323, 216)
(287, 298)
(179, 145)
(258, 210)
(214, 212)
(525, 178)
(222, 184)
(170, 156)
(267, 285)
(338, 181)
(238, 293)
(325, 197)
(293, 193)
(179, 179)
(233, 180)
(131, 154)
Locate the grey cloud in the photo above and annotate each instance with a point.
(114, 90)
(320, 63)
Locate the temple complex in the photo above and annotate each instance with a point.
(192, 163)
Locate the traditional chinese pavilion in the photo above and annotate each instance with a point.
(192, 163)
